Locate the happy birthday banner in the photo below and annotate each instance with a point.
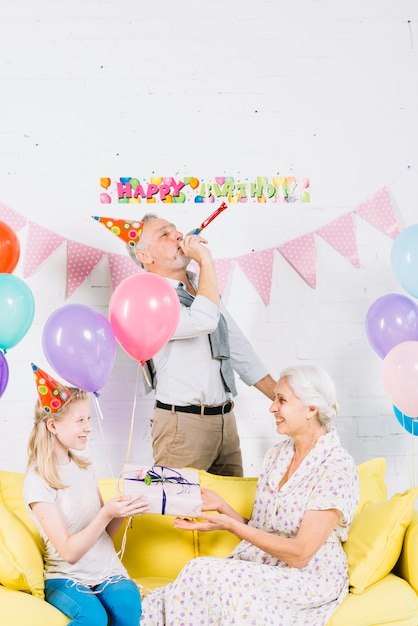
(168, 189)
(300, 252)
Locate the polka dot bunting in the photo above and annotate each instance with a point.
(81, 261)
(341, 236)
(258, 267)
(301, 254)
(121, 267)
(378, 210)
(13, 219)
(223, 270)
(43, 243)
(52, 395)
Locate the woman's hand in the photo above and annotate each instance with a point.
(210, 522)
(211, 501)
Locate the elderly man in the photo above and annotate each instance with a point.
(193, 423)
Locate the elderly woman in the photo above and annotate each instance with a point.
(290, 568)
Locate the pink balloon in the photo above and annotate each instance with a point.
(400, 377)
(144, 312)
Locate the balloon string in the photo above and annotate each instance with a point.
(99, 421)
(128, 451)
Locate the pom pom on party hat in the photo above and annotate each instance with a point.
(128, 231)
(52, 395)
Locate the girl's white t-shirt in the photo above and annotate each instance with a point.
(79, 503)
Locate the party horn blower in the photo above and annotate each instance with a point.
(209, 219)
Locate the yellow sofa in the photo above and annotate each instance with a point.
(382, 551)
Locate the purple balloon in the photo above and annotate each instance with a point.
(79, 344)
(391, 320)
(4, 373)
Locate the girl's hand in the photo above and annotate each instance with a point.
(126, 506)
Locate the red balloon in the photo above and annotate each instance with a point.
(144, 312)
(9, 249)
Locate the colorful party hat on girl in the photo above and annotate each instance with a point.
(52, 395)
(128, 231)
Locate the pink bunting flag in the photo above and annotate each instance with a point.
(258, 267)
(301, 254)
(11, 218)
(121, 267)
(223, 270)
(41, 244)
(340, 235)
(378, 210)
(81, 261)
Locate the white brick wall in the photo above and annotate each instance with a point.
(91, 89)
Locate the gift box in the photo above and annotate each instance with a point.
(169, 491)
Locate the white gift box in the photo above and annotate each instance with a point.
(169, 491)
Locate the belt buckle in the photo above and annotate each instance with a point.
(223, 407)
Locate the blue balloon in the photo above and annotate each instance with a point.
(17, 309)
(404, 259)
(410, 424)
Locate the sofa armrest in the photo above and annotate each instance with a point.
(407, 565)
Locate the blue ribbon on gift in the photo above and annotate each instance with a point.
(153, 476)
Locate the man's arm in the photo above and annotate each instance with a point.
(266, 385)
(194, 247)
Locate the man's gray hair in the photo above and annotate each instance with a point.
(132, 250)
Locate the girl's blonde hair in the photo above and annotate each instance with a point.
(41, 442)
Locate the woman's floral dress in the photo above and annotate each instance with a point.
(253, 588)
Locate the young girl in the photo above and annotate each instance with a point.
(84, 577)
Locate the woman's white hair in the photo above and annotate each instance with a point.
(314, 387)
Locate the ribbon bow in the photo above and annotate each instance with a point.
(153, 476)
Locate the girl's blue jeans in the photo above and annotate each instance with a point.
(115, 602)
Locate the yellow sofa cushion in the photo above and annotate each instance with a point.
(375, 539)
(407, 566)
(21, 562)
(372, 482)
(389, 602)
(11, 494)
(22, 609)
